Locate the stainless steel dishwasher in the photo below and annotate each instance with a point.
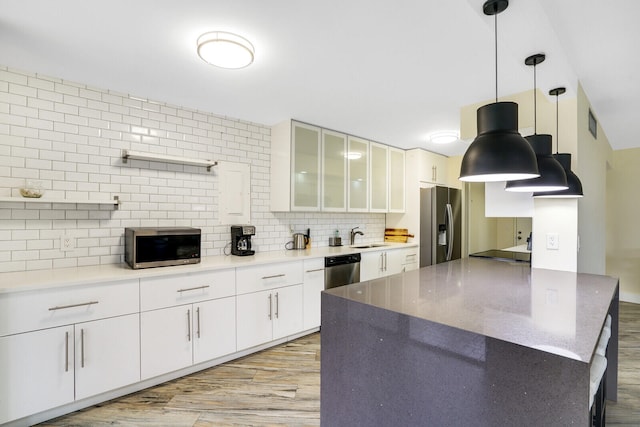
(341, 270)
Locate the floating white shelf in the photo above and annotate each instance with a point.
(138, 155)
(115, 201)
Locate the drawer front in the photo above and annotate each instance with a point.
(168, 291)
(263, 277)
(311, 265)
(410, 256)
(47, 308)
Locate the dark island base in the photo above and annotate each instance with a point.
(383, 368)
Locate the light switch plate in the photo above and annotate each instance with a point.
(552, 241)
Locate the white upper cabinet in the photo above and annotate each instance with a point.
(379, 174)
(305, 176)
(396, 180)
(319, 170)
(295, 167)
(358, 174)
(334, 171)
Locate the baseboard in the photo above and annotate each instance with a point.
(630, 297)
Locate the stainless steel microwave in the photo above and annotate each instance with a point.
(146, 247)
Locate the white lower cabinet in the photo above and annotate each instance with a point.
(383, 263)
(107, 354)
(37, 372)
(52, 367)
(268, 315)
(313, 285)
(176, 337)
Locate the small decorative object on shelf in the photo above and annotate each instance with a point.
(32, 189)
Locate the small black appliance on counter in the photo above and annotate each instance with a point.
(241, 239)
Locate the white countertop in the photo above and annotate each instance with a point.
(36, 279)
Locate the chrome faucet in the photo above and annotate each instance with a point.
(353, 234)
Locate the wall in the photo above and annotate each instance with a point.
(590, 164)
(623, 233)
(70, 136)
(559, 217)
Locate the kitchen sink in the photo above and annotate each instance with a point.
(370, 245)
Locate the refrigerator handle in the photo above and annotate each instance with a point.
(449, 232)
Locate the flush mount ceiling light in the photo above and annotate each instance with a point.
(575, 186)
(552, 176)
(499, 152)
(225, 50)
(444, 137)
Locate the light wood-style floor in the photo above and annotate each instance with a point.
(281, 387)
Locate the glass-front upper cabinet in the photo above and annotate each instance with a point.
(334, 171)
(305, 172)
(358, 176)
(396, 180)
(378, 174)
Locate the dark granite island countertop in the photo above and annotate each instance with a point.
(469, 342)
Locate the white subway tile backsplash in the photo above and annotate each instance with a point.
(71, 136)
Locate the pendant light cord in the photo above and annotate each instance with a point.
(495, 32)
(557, 132)
(535, 102)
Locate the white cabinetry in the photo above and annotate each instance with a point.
(334, 171)
(295, 167)
(396, 180)
(315, 169)
(312, 287)
(358, 175)
(57, 345)
(379, 176)
(269, 302)
(37, 372)
(186, 319)
(386, 262)
(433, 167)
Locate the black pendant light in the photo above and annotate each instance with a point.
(499, 152)
(575, 186)
(552, 176)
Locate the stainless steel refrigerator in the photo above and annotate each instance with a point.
(440, 225)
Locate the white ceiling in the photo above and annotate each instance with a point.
(390, 71)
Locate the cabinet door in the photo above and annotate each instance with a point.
(254, 318)
(287, 311)
(393, 262)
(370, 265)
(334, 171)
(36, 371)
(358, 176)
(379, 176)
(214, 326)
(305, 170)
(313, 286)
(165, 340)
(107, 354)
(396, 180)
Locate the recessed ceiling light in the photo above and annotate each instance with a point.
(225, 50)
(444, 137)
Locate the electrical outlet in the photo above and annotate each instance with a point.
(67, 243)
(552, 241)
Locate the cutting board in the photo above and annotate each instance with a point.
(398, 235)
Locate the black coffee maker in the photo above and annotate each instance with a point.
(241, 239)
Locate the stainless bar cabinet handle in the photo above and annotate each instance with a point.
(82, 348)
(277, 305)
(270, 308)
(274, 276)
(188, 325)
(313, 271)
(66, 351)
(62, 307)
(194, 289)
(198, 321)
